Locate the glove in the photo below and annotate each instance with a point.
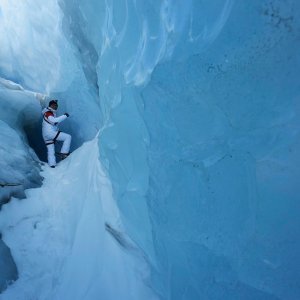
(66, 114)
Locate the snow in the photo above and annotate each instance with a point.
(19, 164)
(59, 240)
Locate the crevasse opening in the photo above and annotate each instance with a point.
(190, 190)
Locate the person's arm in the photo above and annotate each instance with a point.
(49, 116)
(58, 119)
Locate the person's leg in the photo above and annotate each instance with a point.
(66, 139)
(51, 155)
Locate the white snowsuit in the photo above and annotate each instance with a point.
(51, 134)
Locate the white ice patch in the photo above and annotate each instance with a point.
(67, 237)
(33, 49)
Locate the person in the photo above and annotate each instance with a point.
(51, 133)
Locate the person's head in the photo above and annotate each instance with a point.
(53, 104)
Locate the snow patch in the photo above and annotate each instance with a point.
(68, 240)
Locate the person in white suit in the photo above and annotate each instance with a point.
(51, 133)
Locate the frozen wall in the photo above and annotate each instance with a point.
(35, 53)
(200, 102)
(224, 156)
(198, 108)
(19, 165)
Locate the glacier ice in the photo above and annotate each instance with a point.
(59, 232)
(197, 104)
(19, 109)
(19, 165)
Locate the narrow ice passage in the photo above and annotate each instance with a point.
(59, 242)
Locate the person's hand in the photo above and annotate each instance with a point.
(66, 114)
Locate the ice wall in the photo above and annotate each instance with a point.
(198, 105)
(126, 40)
(36, 54)
(19, 165)
(200, 102)
(224, 156)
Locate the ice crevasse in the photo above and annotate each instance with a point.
(197, 105)
(66, 237)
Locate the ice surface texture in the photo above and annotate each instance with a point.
(19, 165)
(60, 243)
(199, 108)
(202, 139)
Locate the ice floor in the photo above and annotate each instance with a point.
(67, 237)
